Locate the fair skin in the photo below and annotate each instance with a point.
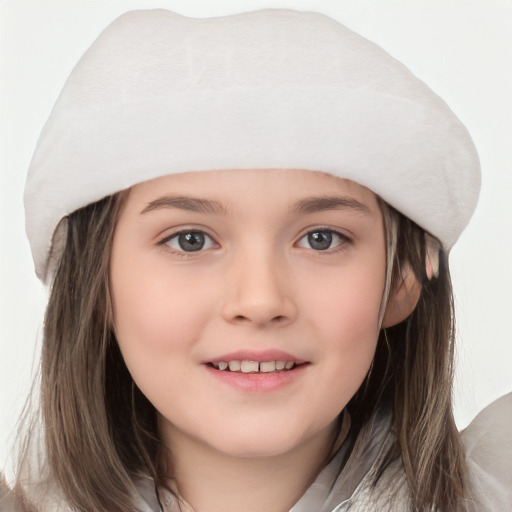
(252, 267)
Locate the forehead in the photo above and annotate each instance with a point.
(238, 187)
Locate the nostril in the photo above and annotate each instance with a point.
(276, 319)
(259, 311)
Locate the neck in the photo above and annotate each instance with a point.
(211, 481)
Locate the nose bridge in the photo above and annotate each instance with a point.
(260, 291)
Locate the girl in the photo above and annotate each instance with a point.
(244, 223)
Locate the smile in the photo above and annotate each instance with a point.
(257, 372)
(245, 366)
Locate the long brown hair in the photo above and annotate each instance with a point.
(101, 432)
(412, 372)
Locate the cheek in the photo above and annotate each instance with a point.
(347, 319)
(157, 321)
(347, 304)
(153, 307)
(154, 331)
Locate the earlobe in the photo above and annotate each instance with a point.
(402, 300)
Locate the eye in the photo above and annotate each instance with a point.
(189, 241)
(322, 240)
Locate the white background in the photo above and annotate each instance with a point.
(462, 49)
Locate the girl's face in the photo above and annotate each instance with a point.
(251, 270)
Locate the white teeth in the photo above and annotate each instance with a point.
(246, 366)
(235, 366)
(249, 366)
(267, 366)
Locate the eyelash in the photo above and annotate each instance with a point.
(344, 240)
(210, 242)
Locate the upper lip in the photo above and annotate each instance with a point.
(256, 355)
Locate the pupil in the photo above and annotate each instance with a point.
(320, 240)
(191, 241)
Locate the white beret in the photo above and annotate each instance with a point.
(158, 93)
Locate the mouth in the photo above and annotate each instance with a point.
(248, 366)
(257, 372)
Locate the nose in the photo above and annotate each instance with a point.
(259, 293)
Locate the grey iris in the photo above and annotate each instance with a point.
(191, 242)
(320, 240)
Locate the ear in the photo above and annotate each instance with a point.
(403, 299)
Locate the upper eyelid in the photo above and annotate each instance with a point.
(338, 231)
(163, 243)
(199, 228)
(344, 243)
(205, 231)
(161, 239)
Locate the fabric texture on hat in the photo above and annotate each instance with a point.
(159, 93)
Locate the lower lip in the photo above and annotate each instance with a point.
(258, 382)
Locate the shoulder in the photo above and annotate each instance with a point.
(32, 497)
(488, 443)
(8, 502)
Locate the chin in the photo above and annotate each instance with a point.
(250, 436)
(262, 440)
(260, 447)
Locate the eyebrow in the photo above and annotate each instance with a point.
(183, 202)
(304, 206)
(322, 203)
